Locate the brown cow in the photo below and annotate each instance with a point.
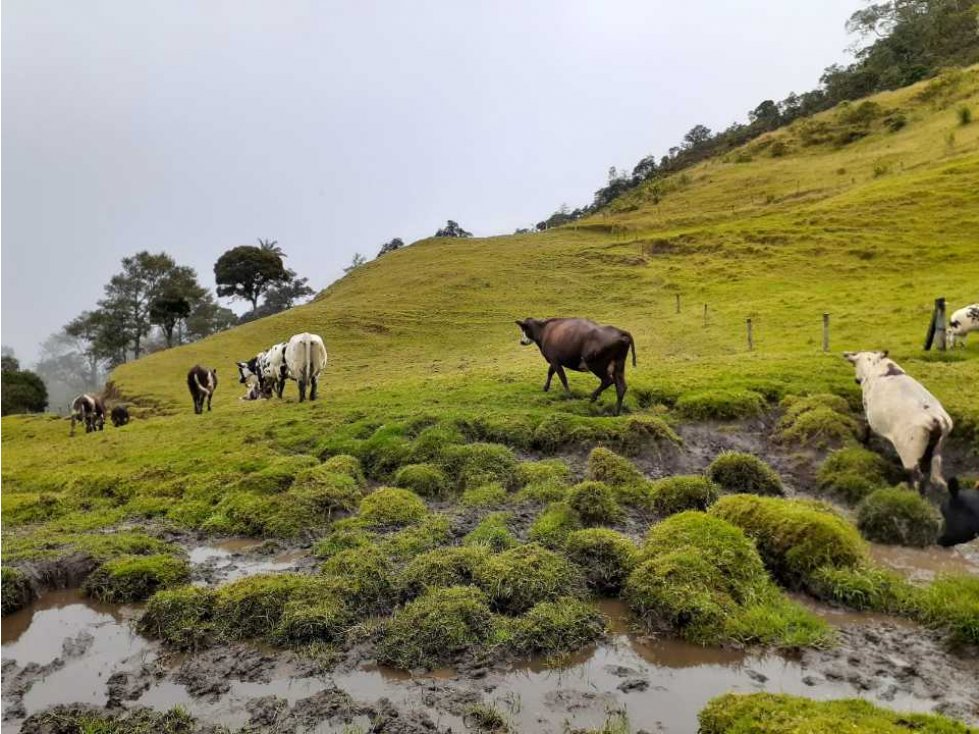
(583, 346)
(202, 383)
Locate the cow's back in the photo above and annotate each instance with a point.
(899, 402)
(564, 340)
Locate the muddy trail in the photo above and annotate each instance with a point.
(66, 650)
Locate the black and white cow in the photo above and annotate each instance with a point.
(202, 383)
(962, 322)
(900, 409)
(119, 415)
(305, 357)
(90, 410)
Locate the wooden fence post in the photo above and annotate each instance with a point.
(705, 315)
(678, 303)
(940, 323)
(825, 332)
(751, 341)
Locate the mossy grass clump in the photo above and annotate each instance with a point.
(560, 626)
(898, 516)
(819, 420)
(348, 466)
(307, 621)
(255, 515)
(853, 473)
(435, 627)
(427, 480)
(431, 532)
(735, 471)
(554, 432)
(549, 490)
(864, 587)
(391, 507)
(723, 405)
(326, 492)
(433, 445)
(547, 470)
(492, 532)
(487, 495)
(639, 431)
(604, 465)
(485, 718)
(277, 476)
(553, 525)
(794, 537)
(605, 557)
(511, 429)
(675, 494)
(344, 534)
(67, 719)
(780, 713)
(950, 603)
(441, 567)
(251, 607)
(135, 578)
(365, 578)
(476, 464)
(384, 452)
(594, 503)
(15, 590)
(516, 579)
(182, 618)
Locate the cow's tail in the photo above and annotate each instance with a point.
(307, 375)
(200, 387)
(632, 345)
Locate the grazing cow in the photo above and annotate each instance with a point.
(90, 410)
(961, 512)
(202, 383)
(961, 323)
(272, 368)
(583, 346)
(120, 416)
(901, 410)
(304, 357)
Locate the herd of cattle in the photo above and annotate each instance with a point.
(898, 407)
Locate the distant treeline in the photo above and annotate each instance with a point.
(915, 40)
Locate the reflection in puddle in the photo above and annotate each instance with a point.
(227, 560)
(924, 564)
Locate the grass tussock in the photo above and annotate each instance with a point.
(554, 524)
(898, 516)
(520, 577)
(817, 420)
(594, 503)
(492, 532)
(605, 557)
(721, 405)
(135, 578)
(425, 479)
(851, 474)
(15, 590)
(391, 507)
(734, 471)
(442, 567)
(554, 627)
(678, 493)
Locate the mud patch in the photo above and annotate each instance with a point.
(236, 558)
(924, 564)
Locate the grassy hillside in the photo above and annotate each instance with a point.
(850, 213)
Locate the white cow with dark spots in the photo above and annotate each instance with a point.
(962, 322)
(900, 409)
(304, 357)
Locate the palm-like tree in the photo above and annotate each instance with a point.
(271, 246)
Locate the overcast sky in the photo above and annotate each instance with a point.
(192, 127)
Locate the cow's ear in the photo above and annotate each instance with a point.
(884, 354)
(850, 357)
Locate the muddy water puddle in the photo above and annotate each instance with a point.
(924, 564)
(237, 558)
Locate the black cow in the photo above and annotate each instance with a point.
(90, 410)
(202, 384)
(961, 512)
(119, 416)
(583, 346)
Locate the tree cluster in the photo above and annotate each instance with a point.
(23, 391)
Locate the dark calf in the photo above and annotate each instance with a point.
(119, 416)
(961, 512)
(202, 384)
(90, 410)
(583, 346)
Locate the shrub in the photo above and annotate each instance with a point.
(551, 490)
(442, 567)
(537, 472)
(183, 618)
(435, 627)
(964, 114)
(135, 578)
(593, 502)
(896, 121)
(484, 496)
(348, 466)
(306, 621)
(390, 507)
(424, 479)
(482, 463)
(432, 531)
(852, 473)
(552, 627)
(898, 516)
(604, 556)
(779, 713)
(735, 471)
(251, 607)
(365, 578)
(676, 494)
(518, 578)
(491, 532)
(15, 590)
(325, 492)
(552, 526)
(344, 534)
(608, 467)
(794, 537)
(724, 405)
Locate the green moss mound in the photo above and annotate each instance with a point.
(735, 471)
(604, 465)
(442, 567)
(773, 713)
(307, 621)
(435, 627)
(182, 618)
(347, 533)
(950, 603)
(326, 492)
(135, 578)
(853, 473)
(675, 494)
(552, 527)
(347, 465)
(864, 587)
(548, 470)
(492, 532)
(605, 557)
(431, 532)
(15, 590)
(391, 507)
(594, 503)
(251, 607)
(434, 444)
(794, 537)
(724, 405)
(476, 464)
(487, 495)
(384, 452)
(424, 479)
(559, 626)
(365, 578)
(277, 476)
(817, 420)
(547, 491)
(516, 579)
(898, 516)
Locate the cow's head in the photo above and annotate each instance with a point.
(529, 329)
(867, 364)
(248, 370)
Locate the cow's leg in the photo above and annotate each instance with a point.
(209, 394)
(620, 388)
(563, 377)
(606, 383)
(314, 383)
(550, 374)
(280, 385)
(302, 390)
